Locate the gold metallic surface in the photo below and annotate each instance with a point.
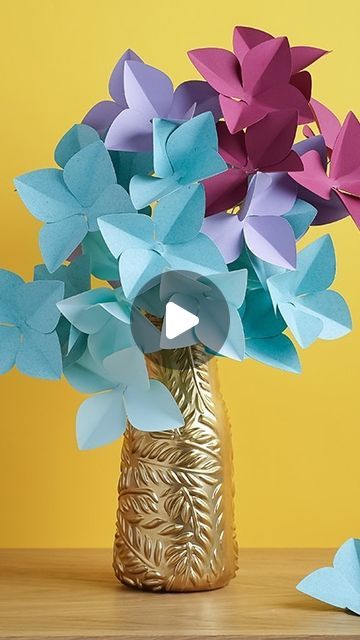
(175, 520)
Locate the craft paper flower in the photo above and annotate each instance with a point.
(308, 309)
(141, 93)
(327, 122)
(183, 154)
(254, 83)
(338, 585)
(171, 239)
(105, 315)
(266, 146)
(344, 169)
(198, 295)
(259, 224)
(28, 319)
(129, 394)
(70, 201)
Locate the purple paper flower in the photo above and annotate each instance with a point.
(140, 93)
(259, 223)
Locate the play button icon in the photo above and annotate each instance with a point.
(178, 320)
(176, 310)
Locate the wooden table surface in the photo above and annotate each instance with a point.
(72, 594)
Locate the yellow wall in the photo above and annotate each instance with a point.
(296, 438)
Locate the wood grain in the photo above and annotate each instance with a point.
(73, 595)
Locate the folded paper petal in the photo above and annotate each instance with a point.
(78, 137)
(178, 217)
(224, 191)
(277, 351)
(89, 172)
(245, 38)
(138, 268)
(102, 115)
(10, 283)
(131, 130)
(313, 177)
(116, 82)
(9, 346)
(45, 194)
(272, 239)
(128, 367)
(147, 86)
(122, 231)
(226, 231)
(219, 67)
(39, 354)
(100, 420)
(332, 311)
(304, 327)
(37, 301)
(302, 57)
(197, 95)
(58, 240)
(199, 255)
(153, 409)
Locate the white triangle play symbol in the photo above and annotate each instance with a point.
(178, 320)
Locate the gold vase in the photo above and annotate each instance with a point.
(175, 518)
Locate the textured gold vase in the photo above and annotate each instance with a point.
(175, 519)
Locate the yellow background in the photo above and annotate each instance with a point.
(296, 438)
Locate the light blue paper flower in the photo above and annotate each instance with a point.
(205, 297)
(28, 319)
(183, 154)
(129, 394)
(70, 201)
(104, 316)
(338, 585)
(308, 309)
(170, 239)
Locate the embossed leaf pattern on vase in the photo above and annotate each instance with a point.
(175, 522)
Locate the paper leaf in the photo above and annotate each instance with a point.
(78, 137)
(100, 420)
(39, 354)
(152, 410)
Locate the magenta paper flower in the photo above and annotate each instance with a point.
(141, 93)
(259, 223)
(327, 122)
(265, 146)
(256, 80)
(343, 177)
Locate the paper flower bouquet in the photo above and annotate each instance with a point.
(197, 197)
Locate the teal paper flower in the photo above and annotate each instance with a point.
(170, 239)
(183, 154)
(127, 394)
(28, 319)
(308, 309)
(70, 201)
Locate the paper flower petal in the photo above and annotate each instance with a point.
(87, 375)
(37, 301)
(154, 409)
(272, 239)
(86, 310)
(9, 284)
(302, 57)
(138, 268)
(219, 67)
(128, 164)
(328, 123)
(330, 586)
(89, 172)
(103, 263)
(112, 337)
(45, 195)
(269, 141)
(278, 352)
(344, 162)
(147, 89)
(178, 217)
(58, 240)
(116, 82)
(128, 367)
(102, 115)
(75, 276)
(100, 420)
(195, 94)
(78, 137)
(131, 130)
(162, 129)
(245, 38)
(121, 232)
(269, 194)
(232, 285)
(300, 217)
(199, 255)
(331, 309)
(9, 345)
(115, 199)
(146, 189)
(224, 191)
(39, 354)
(260, 320)
(266, 65)
(316, 266)
(304, 327)
(313, 177)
